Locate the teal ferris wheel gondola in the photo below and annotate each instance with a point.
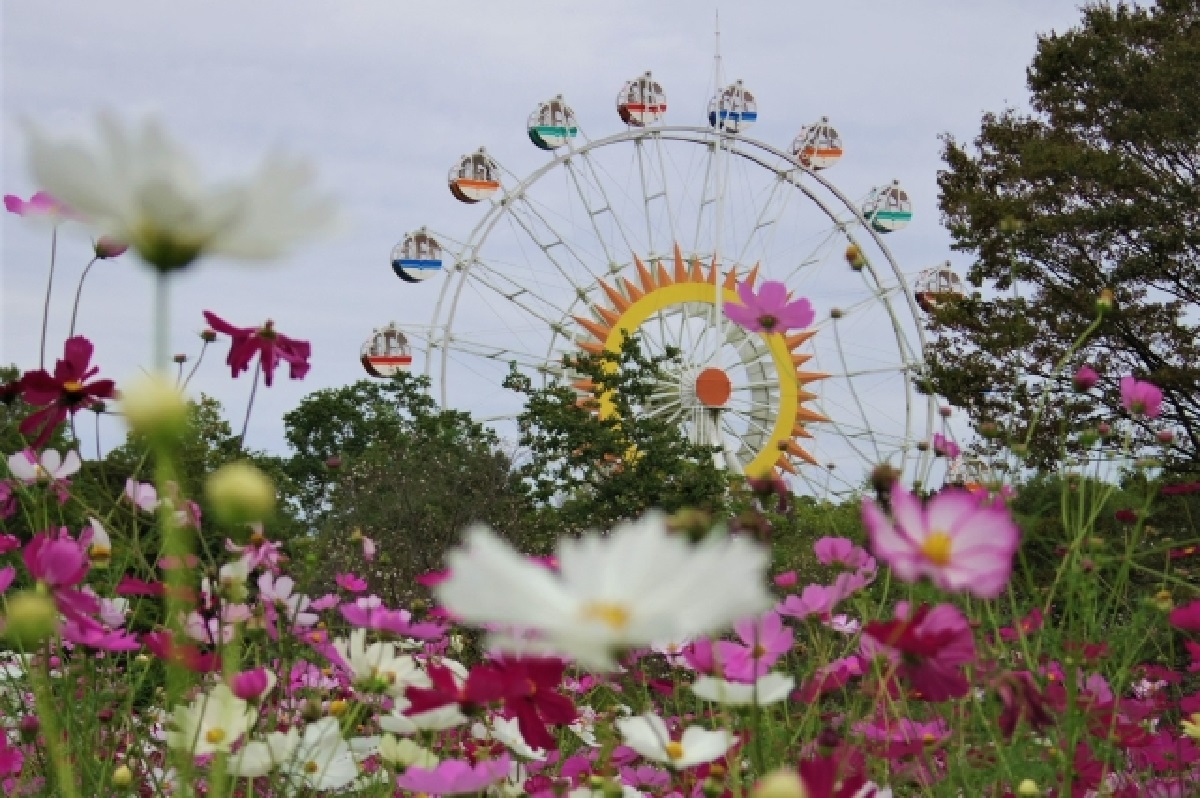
(888, 208)
(417, 258)
(553, 124)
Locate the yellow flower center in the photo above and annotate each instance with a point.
(40, 472)
(936, 548)
(675, 750)
(614, 615)
(338, 707)
(928, 738)
(73, 386)
(214, 736)
(311, 767)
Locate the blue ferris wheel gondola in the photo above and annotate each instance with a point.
(417, 258)
(733, 109)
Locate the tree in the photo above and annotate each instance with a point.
(1097, 188)
(591, 469)
(407, 474)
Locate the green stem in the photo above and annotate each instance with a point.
(49, 286)
(63, 775)
(78, 293)
(162, 321)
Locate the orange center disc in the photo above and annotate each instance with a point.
(713, 387)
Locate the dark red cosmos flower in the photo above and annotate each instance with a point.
(1187, 617)
(163, 645)
(526, 687)
(11, 391)
(271, 346)
(1022, 700)
(927, 646)
(67, 391)
(840, 775)
(1126, 516)
(1180, 489)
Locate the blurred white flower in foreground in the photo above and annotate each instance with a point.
(140, 187)
(770, 689)
(637, 586)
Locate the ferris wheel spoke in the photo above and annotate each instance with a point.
(665, 185)
(592, 213)
(558, 241)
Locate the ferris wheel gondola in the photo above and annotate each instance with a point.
(733, 109)
(475, 177)
(818, 146)
(937, 287)
(417, 258)
(888, 208)
(386, 352)
(642, 101)
(553, 124)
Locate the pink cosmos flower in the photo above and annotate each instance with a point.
(40, 204)
(1187, 617)
(944, 447)
(270, 345)
(84, 631)
(63, 393)
(350, 583)
(766, 639)
(26, 466)
(8, 500)
(143, 495)
(828, 678)
(842, 551)
(769, 310)
(259, 552)
(252, 685)
(60, 563)
(398, 622)
(452, 777)
(1141, 398)
(960, 543)
(107, 248)
(816, 600)
(927, 648)
(7, 575)
(785, 579)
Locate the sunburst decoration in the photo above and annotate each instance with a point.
(776, 409)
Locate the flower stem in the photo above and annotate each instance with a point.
(49, 286)
(162, 321)
(78, 293)
(250, 405)
(199, 358)
(64, 777)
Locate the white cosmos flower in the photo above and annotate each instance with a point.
(322, 760)
(376, 668)
(140, 187)
(405, 752)
(507, 731)
(637, 586)
(770, 689)
(212, 722)
(26, 466)
(647, 734)
(260, 757)
(397, 722)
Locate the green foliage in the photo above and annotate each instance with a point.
(591, 469)
(407, 474)
(1095, 189)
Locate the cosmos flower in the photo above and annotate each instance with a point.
(648, 735)
(212, 722)
(769, 310)
(40, 204)
(28, 467)
(944, 447)
(322, 759)
(140, 187)
(270, 345)
(959, 542)
(1141, 398)
(769, 689)
(927, 647)
(764, 640)
(1085, 378)
(64, 392)
(632, 588)
(453, 777)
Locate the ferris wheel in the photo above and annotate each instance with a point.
(650, 229)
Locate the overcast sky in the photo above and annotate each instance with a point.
(385, 95)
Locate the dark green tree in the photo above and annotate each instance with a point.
(382, 459)
(1096, 188)
(589, 469)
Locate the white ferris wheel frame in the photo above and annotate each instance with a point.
(844, 215)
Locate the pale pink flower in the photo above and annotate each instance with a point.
(142, 494)
(843, 551)
(51, 466)
(765, 640)
(452, 777)
(41, 204)
(959, 542)
(816, 600)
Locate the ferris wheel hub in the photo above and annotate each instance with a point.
(713, 387)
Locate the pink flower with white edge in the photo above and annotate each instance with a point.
(960, 543)
(771, 310)
(1141, 398)
(143, 495)
(41, 204)
(766, 639)
(51, 466)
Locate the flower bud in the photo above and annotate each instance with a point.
(989, 429)
(154, 407)
(180, 358)
(855, 257)
(1085, 378)
(1106, 301)
(208, 336)
(1165, 435)
(107, 247)
(32, 617)
(1028, 788)
(333, 462)
(1103, 429)
(28, 727)
(945, 411)
(240, 493)
(122, 777)
(836, 313)
(252, 685)
(1011, 224)
(781, 783)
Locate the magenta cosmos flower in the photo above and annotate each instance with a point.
(769, 310)
(64, 392)
(927, 648)
(271, 346)
(765, 640)
(453, 777)
(962, 543)
(1141, 398)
